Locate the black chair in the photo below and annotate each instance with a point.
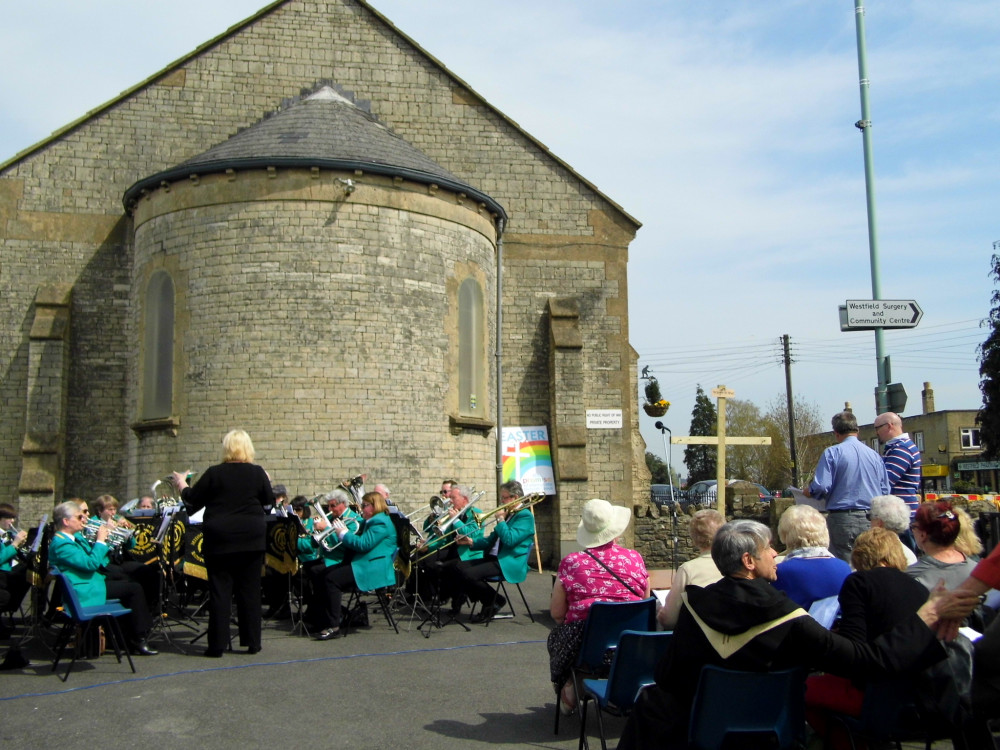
(81, 617)
(381, 594)
(605, 623)
(748, 710)
(500, 589)
(635, 660)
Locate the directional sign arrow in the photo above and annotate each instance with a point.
(869, 314)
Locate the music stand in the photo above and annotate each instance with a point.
(296, 601)
(37, 599)
(166, 581)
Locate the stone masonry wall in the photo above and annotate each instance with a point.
(61, 202)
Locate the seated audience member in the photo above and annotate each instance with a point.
(506, 554)
(892, 513)
(602, 572)
(742, 622)
(986, 650)
(81, 562)
(370, 556)
(967, 542)
(873, 600)
(935, 527)
(809, 570)
(700, 571)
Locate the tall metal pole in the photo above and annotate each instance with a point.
(792, 452)
(865, 125)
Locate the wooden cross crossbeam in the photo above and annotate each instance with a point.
(721, 440)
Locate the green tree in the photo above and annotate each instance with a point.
(988, 418)
(657, 469)
(700, 459)
(755, 463)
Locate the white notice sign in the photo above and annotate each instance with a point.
(604, 419)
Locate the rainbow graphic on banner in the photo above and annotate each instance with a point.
(527, 458)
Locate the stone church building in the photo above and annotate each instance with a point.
(302, 228)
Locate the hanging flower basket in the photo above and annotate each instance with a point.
(656, 410)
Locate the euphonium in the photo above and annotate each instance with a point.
(165, 494)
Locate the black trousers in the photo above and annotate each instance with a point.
(147, 576)
(329, 591)
(139, 623)
(470, 575)
(234, 574)
(13, 586)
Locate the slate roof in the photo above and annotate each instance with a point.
(326, 129)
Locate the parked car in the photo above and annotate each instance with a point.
(660, 494)
(701, 493)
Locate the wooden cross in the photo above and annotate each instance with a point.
(721, 394)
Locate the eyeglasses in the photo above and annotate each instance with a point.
(81, 516)
(880, 426)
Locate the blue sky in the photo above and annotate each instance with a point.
(725, 127)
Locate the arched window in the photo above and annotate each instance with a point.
(471, 350)
(158, 359)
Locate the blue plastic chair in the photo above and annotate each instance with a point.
(606, 621)
(762, 706)
(85, 617)
(635, 661)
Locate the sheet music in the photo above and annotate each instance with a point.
(38, 537)
(802, 499)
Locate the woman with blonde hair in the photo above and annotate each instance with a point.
(233, 494)
(700, 571)
(809, 570)
(873, 600)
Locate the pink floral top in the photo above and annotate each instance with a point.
(586, 581)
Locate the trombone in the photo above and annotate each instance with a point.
(443, 530)
(518, 503)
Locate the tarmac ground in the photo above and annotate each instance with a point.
(488, 687)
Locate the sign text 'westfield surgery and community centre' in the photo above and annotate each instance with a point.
(865, 314)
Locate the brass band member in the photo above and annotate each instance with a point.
(369, 565)
(81, 563)
(120, 567)
(234, 495)
(463, 521)
(506, 549)
(13, 573)
(338, 507)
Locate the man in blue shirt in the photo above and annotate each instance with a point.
(848, 476)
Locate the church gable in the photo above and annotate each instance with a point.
(62, 201)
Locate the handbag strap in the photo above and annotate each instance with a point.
(618, 577)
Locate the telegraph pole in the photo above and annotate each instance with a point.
(792, 452)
